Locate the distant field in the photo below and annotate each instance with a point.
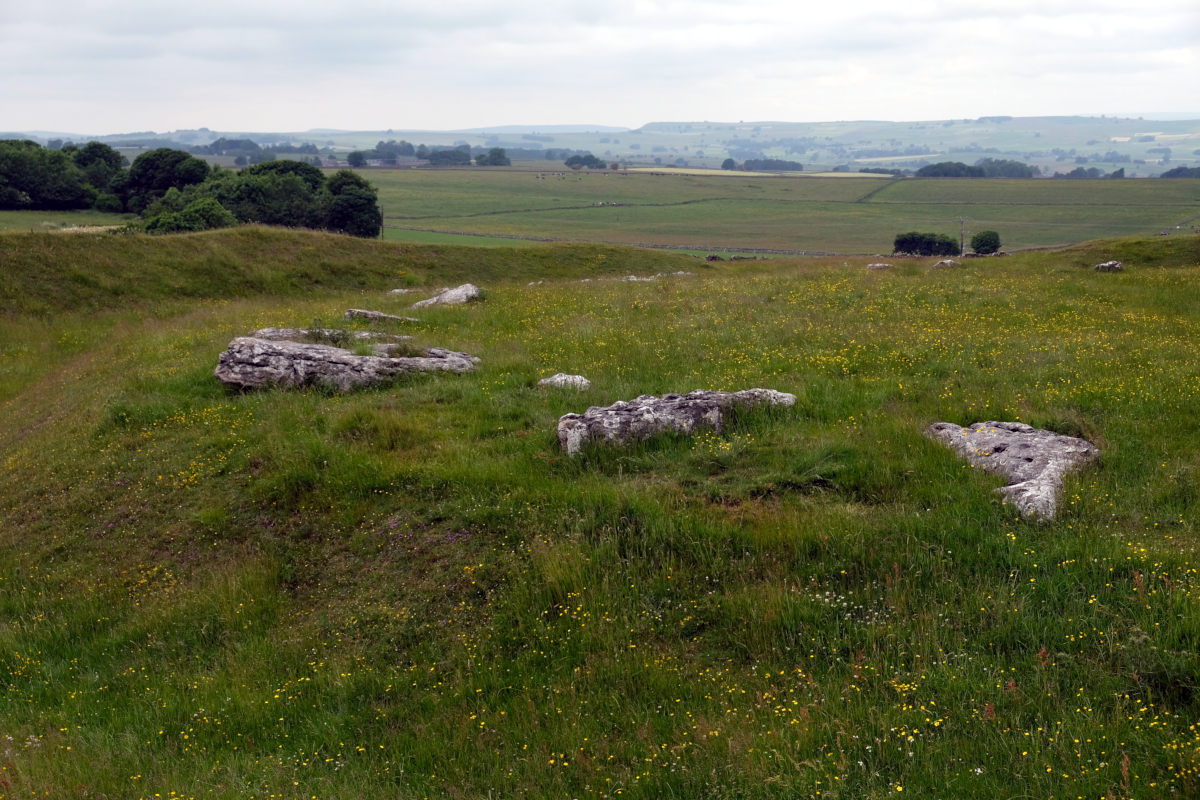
(428, 237)
(57, 220)
(1174, 192)
(828, 214)
(428, 193)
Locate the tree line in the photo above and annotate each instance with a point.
(939, 244)
(984, 168)
(173, 190)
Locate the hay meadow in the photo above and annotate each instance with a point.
(409, 591)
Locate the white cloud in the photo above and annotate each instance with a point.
(98, 66)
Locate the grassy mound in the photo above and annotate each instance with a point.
(50, 274)
(409, 591)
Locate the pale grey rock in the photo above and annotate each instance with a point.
(648, 278)
(376, 315)
(398, 292)
(879, 266)
(949, 262)
(634, 420)
(1034, 461)
(300, 334)
(1110, 266)
(562, 379)
(451, 297)
(251, 363)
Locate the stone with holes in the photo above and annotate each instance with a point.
(630, 421)
(452, 297)
(250, 363)
(1034, 461)
(563, 380)
(361, 313)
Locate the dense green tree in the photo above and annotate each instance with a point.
(773, 165)
(1003, 168)
(453, 157)
(36, 178)
(589, 161)
(1178, 172)
(156, 171)
(356, 159)
(288, 193)
(344, 179)
(496, 157)
(99, 163)
(925, 244)
(201, 214)
(356, 212)
(950, 169)
(306, 172)
(729, 163)
(985, 242)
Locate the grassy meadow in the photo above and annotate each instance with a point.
(44, 221)
(409, 592)
(802, 214)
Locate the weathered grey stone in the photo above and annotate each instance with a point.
(397, 292)
(1110, 266)
(251, 363)
(879, 266)
(562, 379)
(624, 422)
(451, 297)
(949, 262)
(1034, 461)
(377, 315)
(301, 334)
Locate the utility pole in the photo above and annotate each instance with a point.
(962, 233)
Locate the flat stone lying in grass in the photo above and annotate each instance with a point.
(452, 297)
(251, 363)
(946, 263)
(1110, 266)
(562, 379)
(360, 313)
(300, 334)
(635, 420)
(879, 266)
(1034, 461)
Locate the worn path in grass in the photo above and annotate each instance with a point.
(409, 592)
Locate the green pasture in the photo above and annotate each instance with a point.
(837, 227)
(1172, 193)
(429, 237)
(410, 591)
(417, 194)
(41, 221)
(778, 213)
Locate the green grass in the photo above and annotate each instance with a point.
(416, 194)
(50, 274)
(42, 221)
(777, 213)
(409, 592)
(428, 237)
(843, 227)
(1128, 193)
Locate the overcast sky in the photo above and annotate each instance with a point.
(99, 66)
